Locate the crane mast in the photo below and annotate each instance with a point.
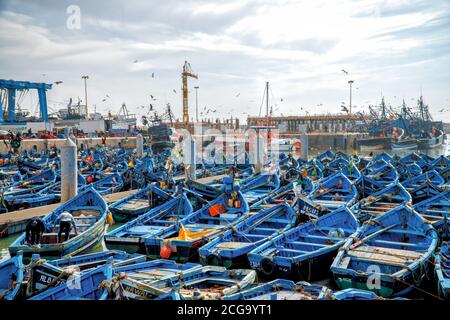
(187, 72)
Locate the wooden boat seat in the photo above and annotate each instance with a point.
(134, 204)
(231, 245)
(403, 244)
(347, 231)
(386, 256)
(299, 252)
(255, 236)
(271, 230)
(301, 243)
(143, 230)
(278, 220)
(165, 221)
(403, 231)
(311, 236)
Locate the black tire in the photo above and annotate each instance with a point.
(267, 266)
(214, 260)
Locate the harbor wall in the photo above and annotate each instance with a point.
(325, 140)
(44, 144)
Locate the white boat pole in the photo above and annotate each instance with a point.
(193, 162)
(69, 170)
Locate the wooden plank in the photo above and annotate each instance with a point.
(211, 179)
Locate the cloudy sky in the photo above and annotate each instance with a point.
(395, 48)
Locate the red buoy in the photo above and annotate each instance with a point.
(165, 252)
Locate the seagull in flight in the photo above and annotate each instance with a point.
(153, 74)
(135, 61)
(58, 82)
(174, 91)
(238, 94)
(344, 71)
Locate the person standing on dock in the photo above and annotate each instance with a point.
(66, 222)
(104, 141)
(34, 230)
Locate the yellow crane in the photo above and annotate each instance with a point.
(187, 72)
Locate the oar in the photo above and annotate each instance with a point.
(370, 236)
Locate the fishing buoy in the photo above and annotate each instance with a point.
(90, 179)
(165, 252)
(2, 161)
(109, 219)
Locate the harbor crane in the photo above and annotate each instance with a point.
(187, 72)
(11, 87)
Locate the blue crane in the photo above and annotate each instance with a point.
(12, 86)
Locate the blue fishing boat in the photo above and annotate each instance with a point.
(138, 203)
(44, 274)
(424, 186)
(91, 285)
(11, 277)
(436, 210)
(181, 241)
(207, 283)
(89, 211)
(334, 192)
(357, 294)
(442, 165)
(109, 184)
(46, 196)
(259, 187)
(414, 158)
(326, 157)
(377, 179)
(442, 270)
(395, 247)
(32, 184)
(282, 289)
(407, 171)
(382, 201)
(305, 252)
(130, 236)
(231, 248)
(129, 281)
(383, 156)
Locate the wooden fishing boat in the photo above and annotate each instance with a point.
(424, 186)
(129, 281)
(46, 196)
(334, 192)
(305, 252)
(181, 241)
(231, 248)
(282, 289)
(357, 294)
(130, 236)
(259, 187)
(442, 270)
(442, 165)
(91, 285)
(382, 201)
(208, 283)
(437, 211)
(109, 184)
(407, 171)
(414, 158)
(326, 157)
(383, 156)
(433, 140)
(377, 179)
(11, 277)
(138, 203)
(397, 246)
(44, 274)
(89, 211)
(33, 184)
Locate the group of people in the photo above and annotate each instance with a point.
(36, 227)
